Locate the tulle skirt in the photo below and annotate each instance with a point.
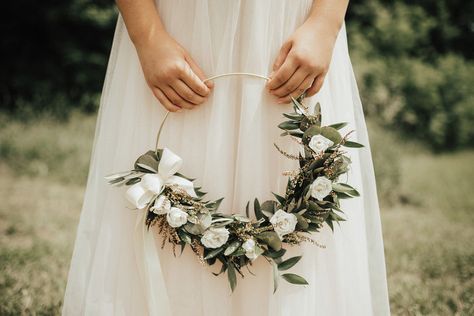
(227, 144)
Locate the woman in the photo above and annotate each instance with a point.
(224, 130)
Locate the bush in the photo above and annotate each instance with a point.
(405, 85)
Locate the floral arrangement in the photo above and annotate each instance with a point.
(312, 198)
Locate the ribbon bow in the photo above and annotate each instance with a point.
(141, 193)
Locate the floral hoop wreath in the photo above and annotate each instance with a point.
(312, 198)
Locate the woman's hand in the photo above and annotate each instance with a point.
(173, 76)
(302, 63)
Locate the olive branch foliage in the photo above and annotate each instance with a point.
(311, 213)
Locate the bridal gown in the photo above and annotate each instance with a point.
(227, 145)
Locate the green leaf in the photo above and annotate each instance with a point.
(317, 110)
(294, 278)
(352, 144)
(310, 132)
(149, 159)
(232, 248)
(271, 239)
(279, 198)
(289, 125)
(231, 276)
(132, 181)
(214, 205)
(342, 195)
(293, 116)
(338, 125)
(214, 253)
(275, 254)
(288, 263)
(184, 236)
(247, 209)
(297, 105)
(331, 134)
(345, 188)
(268, 207)
(257, 210)
(302, 222)
(276, 276)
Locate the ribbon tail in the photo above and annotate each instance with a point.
(150, 269)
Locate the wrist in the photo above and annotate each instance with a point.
(324, 26)
(147, 34)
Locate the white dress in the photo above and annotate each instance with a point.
(227, 144)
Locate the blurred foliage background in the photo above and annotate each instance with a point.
(414, 65)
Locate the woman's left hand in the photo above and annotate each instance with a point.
(302, 63)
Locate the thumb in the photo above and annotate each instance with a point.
(198, 71)
(284, 50)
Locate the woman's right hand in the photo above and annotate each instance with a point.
(173, 76)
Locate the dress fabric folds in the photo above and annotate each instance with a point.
(227, 145)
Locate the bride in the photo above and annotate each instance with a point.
(224, 130)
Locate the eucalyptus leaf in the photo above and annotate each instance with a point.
(310, 132)
(214, 253)
(289, 125)
(232, 247)
(294, 278)
(331, 134)
(302, 222)
(275, 254)
(257, 209)
(288, 263)
(270, 238)
(231, 276)
(146, 167)
(279, 198)
(184, 236)
(338, 125)
(352, 144)
(276, 276)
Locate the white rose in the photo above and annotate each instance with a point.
(249, 247)
(162, 205)
(176, 217)
(319, 143)
(320, 188)
(215, 237)
(283, 222)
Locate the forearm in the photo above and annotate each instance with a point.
(141, 19)
(328, 15)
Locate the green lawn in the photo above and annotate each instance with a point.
(426, 200)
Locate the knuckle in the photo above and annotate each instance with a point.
(288, 88)
(188, 95)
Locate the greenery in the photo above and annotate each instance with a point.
(426, 223)
(311, 199)
(415, 69)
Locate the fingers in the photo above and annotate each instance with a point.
(186, 93)
(164, 100)
(176, 99)
(292, 84)
(316, 86)
(282, 74)
(198, 71)
(304, 86)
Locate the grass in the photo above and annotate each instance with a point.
(426, 213)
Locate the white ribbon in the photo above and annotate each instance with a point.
(141, 193)
(150, 268)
